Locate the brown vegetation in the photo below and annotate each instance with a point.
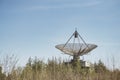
(55, 69)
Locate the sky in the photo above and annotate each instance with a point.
(30, 28)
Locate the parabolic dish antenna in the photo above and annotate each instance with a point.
(76, 49)
(79, 49)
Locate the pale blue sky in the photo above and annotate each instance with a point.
(34, 27)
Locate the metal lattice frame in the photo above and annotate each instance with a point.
(76, 49)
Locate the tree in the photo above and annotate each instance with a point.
(2, 76)
(100, 67)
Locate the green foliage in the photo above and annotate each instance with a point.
(2, 76)
(100, 67)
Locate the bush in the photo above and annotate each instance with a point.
(55, 69)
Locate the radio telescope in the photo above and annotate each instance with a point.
(76, 49)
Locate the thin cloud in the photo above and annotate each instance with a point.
(64, 6)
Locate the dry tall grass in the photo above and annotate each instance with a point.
(55, 69)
